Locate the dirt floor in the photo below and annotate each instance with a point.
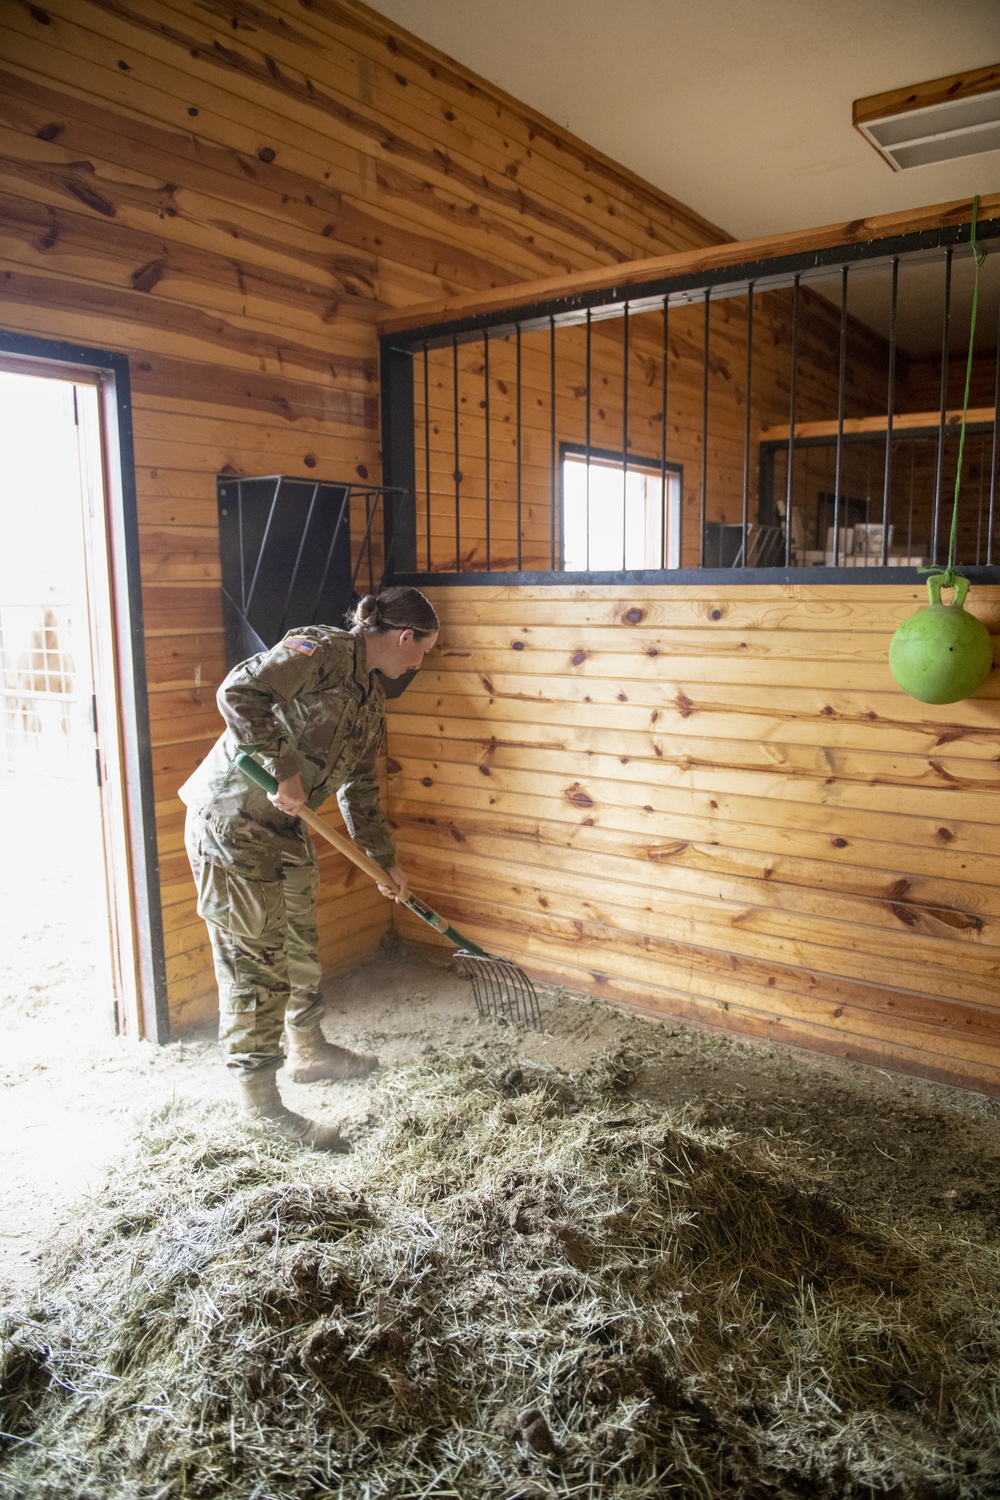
(72, 1094)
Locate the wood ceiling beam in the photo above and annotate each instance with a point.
(687, 262)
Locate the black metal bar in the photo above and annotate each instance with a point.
(517, 356)
(370, 512)
(397, 498)
(363, 549)
(625, 436)
(746, 433)
(979, 507)
(243, 557)
(840, 416)
(769, 273)
(263, 544)
(344, 511)
(298, 559)
(993, 459)
(909, 518)
(765, 482)
(486, 406)
(946, 318)
(663, 434)
(399, 451)
(704, 435)
(791, 422)
(457, 471)
(586, 382)
(427, 451)
(887, 481)
(552, 446)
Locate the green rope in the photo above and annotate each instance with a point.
(978, 256)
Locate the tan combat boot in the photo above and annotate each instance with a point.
(260, 1100)
(310, 1058)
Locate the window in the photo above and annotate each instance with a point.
(613, 516)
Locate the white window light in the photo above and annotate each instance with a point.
(613, 518)
(937, 121)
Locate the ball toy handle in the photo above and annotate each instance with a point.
(938, 581)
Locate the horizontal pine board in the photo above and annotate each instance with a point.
(842, 857)
(506, 703)
(841, 889)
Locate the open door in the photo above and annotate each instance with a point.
(75, 768)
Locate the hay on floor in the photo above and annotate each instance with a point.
(522, 1284)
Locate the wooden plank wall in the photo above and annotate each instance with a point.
(230, 193)
(715, 803)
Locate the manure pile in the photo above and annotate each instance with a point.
(522, 1284)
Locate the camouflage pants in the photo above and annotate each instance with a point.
(264, 943)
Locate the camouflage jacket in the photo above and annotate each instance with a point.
(308, 706)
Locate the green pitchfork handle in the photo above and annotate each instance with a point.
(256, 773)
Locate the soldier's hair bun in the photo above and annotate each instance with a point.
(367, 612)
(396, 608)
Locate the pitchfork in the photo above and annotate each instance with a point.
(500, 988)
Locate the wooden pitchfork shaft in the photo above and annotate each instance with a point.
(256, 773)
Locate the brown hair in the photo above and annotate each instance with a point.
(395, 608)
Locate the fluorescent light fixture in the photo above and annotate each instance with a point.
(938, 121)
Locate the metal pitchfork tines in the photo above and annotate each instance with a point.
(501, 989)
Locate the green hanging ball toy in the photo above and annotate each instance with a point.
(941, 654)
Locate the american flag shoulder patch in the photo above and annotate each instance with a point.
(300, 643)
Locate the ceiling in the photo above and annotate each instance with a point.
(739, 108)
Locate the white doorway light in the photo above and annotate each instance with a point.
(61, 760)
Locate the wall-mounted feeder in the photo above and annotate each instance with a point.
(297, 551)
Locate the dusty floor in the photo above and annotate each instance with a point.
(71, 1093)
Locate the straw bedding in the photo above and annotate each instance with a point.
(522, 1284)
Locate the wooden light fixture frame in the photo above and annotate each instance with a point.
(949, 90)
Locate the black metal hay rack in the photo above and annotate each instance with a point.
(299, 552)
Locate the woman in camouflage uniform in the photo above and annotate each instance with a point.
(312, 711)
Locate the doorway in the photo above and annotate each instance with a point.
(77, 961)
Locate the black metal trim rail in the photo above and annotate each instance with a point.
(649, 576)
